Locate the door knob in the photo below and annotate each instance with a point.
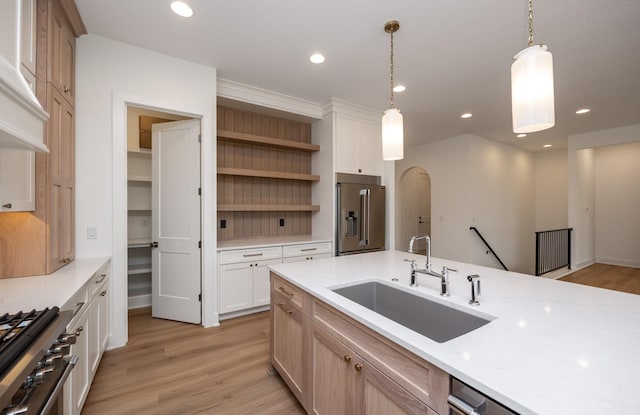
(153, 244)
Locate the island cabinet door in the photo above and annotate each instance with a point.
(288, 344)
(334, 376)
(377, 394)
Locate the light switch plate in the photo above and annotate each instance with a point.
(92, 232)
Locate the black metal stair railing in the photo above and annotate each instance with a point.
(473, 228)
(553, 250)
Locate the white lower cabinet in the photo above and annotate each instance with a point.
(243, 274)
(244, 285)
(91, 326)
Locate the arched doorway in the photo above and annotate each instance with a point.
(415, 207)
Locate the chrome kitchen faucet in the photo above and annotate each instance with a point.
(444, 275)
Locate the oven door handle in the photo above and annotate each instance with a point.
(461, 406)
(58, 388)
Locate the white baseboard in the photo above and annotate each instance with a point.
(139, 301)
(619, 262)
(240, 313)
(584, 263)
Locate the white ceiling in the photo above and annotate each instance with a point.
(454, 56)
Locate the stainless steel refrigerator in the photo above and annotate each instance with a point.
(361, 214)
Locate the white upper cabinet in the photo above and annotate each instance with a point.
(17, 180)
(22, 117)
(358, 145)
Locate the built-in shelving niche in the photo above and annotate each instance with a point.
(264, 175)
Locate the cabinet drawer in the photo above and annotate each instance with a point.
(306, 249)
(98, 280)
(417, 376)
(77, 303)
(248, 255)
(290, 292)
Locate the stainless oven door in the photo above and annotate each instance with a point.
(464, 400)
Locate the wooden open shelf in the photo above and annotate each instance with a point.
(230, 171)
(268, 208)
(267, 141)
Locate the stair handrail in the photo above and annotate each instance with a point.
(473, 228)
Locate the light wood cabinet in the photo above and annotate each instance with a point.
(42, 241)
(350, 369)
(62, 53)
(289, 327)
(61, 178)
(333, 375)
(358, 145)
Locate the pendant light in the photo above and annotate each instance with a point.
(532, 101)
(392, 130)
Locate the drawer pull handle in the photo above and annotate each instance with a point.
(347, 358)
(250, 255)
(281, 305)
(103, 293)
(358, 367)
(78, 307)
(308, 249)
(102, 277)
(285, 292)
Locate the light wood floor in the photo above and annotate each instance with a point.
(177, 368)
(608, 276)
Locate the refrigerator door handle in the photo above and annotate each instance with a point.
(365, 209)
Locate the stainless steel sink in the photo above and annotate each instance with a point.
(429, 318)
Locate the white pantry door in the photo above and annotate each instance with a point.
(175, 221)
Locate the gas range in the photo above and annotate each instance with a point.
(34, 361)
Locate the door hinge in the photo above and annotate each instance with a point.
(200, 297)
(199, 138)
(199, 244)
(199, 191)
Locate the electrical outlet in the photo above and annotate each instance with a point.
(282, 222)
(223, 223)
(92, 232)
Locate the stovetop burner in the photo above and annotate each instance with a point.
(18, 331)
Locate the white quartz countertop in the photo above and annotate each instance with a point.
(553, 348)
(47, 290)
(270, 241)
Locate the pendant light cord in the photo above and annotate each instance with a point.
(530, 24)
(391, 72)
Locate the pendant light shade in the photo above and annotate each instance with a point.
(392, 127)
(392, 135)
(532, 100)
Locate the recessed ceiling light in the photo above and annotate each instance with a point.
(583, 110)
(546, 145)
(521, 135)
(316, 58)
(181, 9)
(399, 88)
(466, 115)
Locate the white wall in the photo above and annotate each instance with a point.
(482, 183)
(581, 220)
(446, 162)
(617, 204)
(502, 204)
(551, 192)
(109, 76)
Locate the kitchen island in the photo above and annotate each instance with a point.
(551, 348)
